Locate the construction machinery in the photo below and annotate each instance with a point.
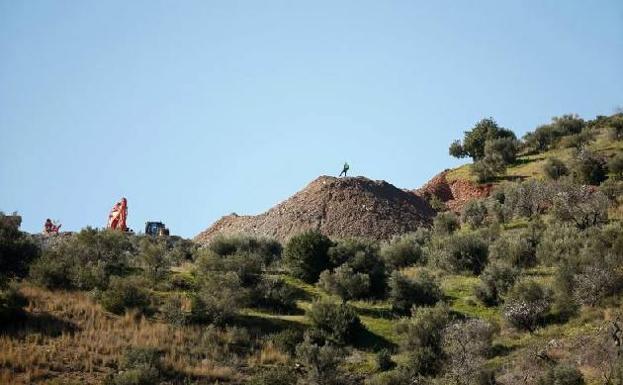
(50, 227)
(156, 229)
(118, 216)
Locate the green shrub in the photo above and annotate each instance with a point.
(466, 345)
(562, 374)
(52, 271)
(306, 255)
(488, 168)
(612, 189)
(615, 165)
(399, 376)
(559, 243)
(268, 249)
(460, 252)
(153, 255)
(278, 375)
(407, 292)
(17, 251)
(580, 205)
(506, 148)
(11, 303)
(248, 267)
(362, 256)
(126, 293)
(515, 248)
(475, 141)
(421, 339)
(336, 323)
(275, 294)
(384, 360)
(84, 260)
(218, 298)
(173, 312)
(555, 168)
(474, 213)
(548, 135)
(345, 283)
(446, 223)
(589, 168)
(140, 366)
(495, 281)
(526, 305)
(321, 362)
(287, 340)
(401, 251)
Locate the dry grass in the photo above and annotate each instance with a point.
(67, 338)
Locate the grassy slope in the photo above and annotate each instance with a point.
(531, 166)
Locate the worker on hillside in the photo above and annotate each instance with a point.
(345, 169)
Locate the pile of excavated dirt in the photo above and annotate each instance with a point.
(337, 207)
(455, 194)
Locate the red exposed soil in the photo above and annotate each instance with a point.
(454, 194)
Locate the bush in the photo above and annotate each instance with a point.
(559, 243)
(461, 252)
(321, 361)
(140, 366)
(422, 339)
(306, 255)
(345, 283)
(505, 148)
(581, 205)
(562, 374)
(475, 140)
(126, 293)
(268, 249)
(336, 323)
(495, 281)
(615, 165)
(85, 260)
(528, 199)
(218, 298)
(405, 292)
(278, 375)
(52, 271)
(362, 256)
(287, 340)
(401, 251)
(248, 267)
(275, 294)
(488, 168)
(612, 189)
(17, 251)
(384, 360)
(548, 135)
(615, 128)
(515, 248)
(526, 305)
(173, 312)
(555, 168)
(153, 254)
(589, 169)
(11, 303)
(474, 213)
(446, 223)
(466, 345)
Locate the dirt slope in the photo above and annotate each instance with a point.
(338, 207)
(455, 194)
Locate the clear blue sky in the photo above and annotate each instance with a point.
(196, 109)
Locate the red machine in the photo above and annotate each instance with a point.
(118, 216)
(51, 227)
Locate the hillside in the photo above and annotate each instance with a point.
(337, 207)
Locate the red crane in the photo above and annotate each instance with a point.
(118, 216)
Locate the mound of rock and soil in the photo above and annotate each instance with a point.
(455, 194)
(337, 207)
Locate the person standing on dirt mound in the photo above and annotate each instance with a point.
(345, 169)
